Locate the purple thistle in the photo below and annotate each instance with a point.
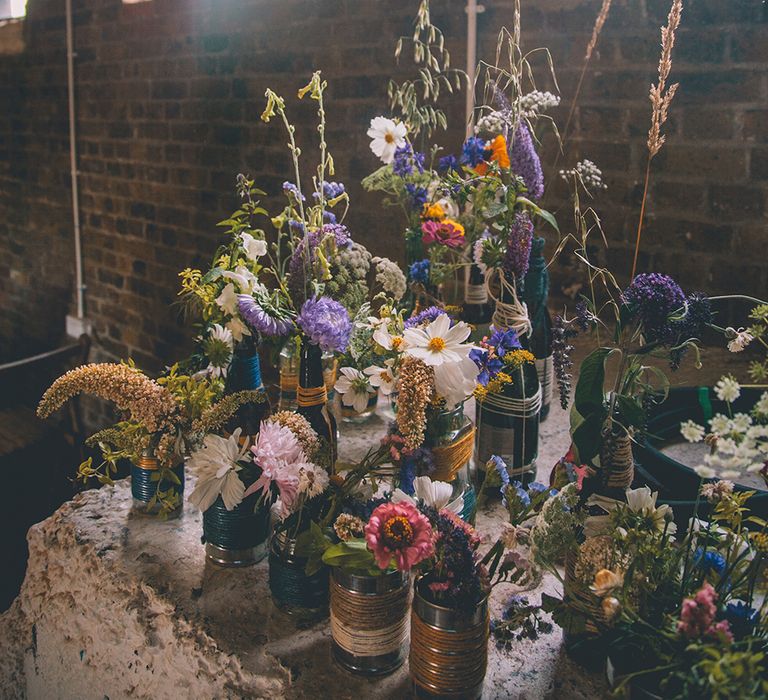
(525, 162)
(326, 323)
(264, 318)
(652, 298)
(518, 253)
(427, 316)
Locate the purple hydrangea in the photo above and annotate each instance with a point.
(652, 298)
(474, 151)
(525, 162)
(427, 316)
(264, 318)
(519, 241)
(326, 323)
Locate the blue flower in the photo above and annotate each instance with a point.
(742, 618)
(427, 316)
(504, 341)
(525, 161)
(500, 466)
(326, 323)
(474, 151)
(709, 561)
(402, 165)
(419, 271)
(407, 475)
(536, 487)
(447, 164)
(292, 191)
(522, 494)
(489, 367)
(419, 195)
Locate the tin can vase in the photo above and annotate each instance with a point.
(369, 621)
(236, 537)
(449, 648)
(293, 591)
(149, 484)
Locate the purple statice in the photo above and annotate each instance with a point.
(264, 317)
(561, 357)
(292, 191)
(331, 190)
(418, 195)
(652, 298)
(419, 271)
(427, 316)
(474, 152)
(448, 164)
(488, 365)
(340, 233)
(326, 323)
(518, 253)
(525, 162)
(504, 340)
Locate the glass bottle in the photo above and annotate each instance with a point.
(245, 375)
(289, 375)
(535, 295)
(477, 309)
(312, 399)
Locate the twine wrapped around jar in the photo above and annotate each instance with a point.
(449, 459)
(449, 648)
(581, 598)
(369, 620)
(616, 460)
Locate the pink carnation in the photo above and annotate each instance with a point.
(399, 530)
(446, 233)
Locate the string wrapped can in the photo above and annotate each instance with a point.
(147, 483)
(369, 621)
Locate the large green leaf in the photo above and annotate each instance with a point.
(589, 395)
(630, 410)
(543, 213)
(587, 436)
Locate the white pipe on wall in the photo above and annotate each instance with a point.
(79, 286)
(472, 9)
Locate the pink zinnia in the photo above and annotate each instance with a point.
(398, 530)
(448, 233)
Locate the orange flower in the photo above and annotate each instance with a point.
(433, 211)
(499, 154)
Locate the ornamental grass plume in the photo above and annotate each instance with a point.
(661, 98)
(219, 413)
(145, 400)
(416, 386)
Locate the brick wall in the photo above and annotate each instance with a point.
(169, 97)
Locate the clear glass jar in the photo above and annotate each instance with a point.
(289, 375)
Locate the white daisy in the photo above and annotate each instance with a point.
(691, 431)
(216, 465)
(387, 340)
(218, 347)
(387, 136)
(438, 342)
(354, 388)
(254, 247)
(644, 502)
(381, 378)
(436, 494)
(727, 389)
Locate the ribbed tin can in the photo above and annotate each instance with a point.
(236, 537)
(449, 648)
(369, 621)
(293, 591)
(144, 486)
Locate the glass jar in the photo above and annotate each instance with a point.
(451, 437)
(289, 375)
(350, 415)
(152, 486)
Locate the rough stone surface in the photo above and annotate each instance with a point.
(126, 606)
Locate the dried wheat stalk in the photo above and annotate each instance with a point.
(599, 22)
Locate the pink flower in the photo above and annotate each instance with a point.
(275, 446)
(698, 613)
(447, 232)
(721, 630)
(398, 530)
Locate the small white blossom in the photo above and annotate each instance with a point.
(727, 389)
(705, 472)
(739, 339)
(590, 175)
(720, 424)
(691, 431)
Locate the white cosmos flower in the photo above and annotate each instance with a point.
(741, 339)
(355, 388)
(438, 342)
(216, 466)
(237, 328)
(436, 494)
(455, 381)
(387, 136)
(691, 431)
(254, 247)
(381, 377)
(388, 341)
(727, 389)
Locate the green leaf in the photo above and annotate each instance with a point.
(543, 213)
(589, 394)
(630, 410)
(586, 432)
